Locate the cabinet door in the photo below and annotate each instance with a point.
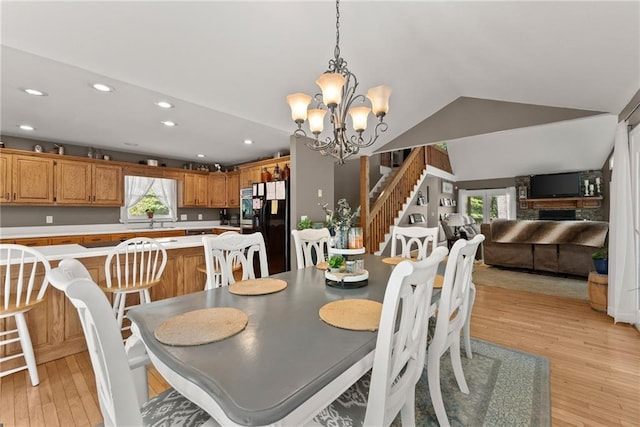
(217, 190)
(32, 180)
(73, 182)
(202, 184)
(65, 240)
(108, 185)
(233, 190)
(189, 189)
(5, 178)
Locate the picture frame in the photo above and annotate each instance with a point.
(447, 187)
(422, 201)
(416, 218)
(522, 192)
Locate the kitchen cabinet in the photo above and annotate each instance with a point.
(32, 180)
(217, 190)
(233, 189)
(65, 240)
(5, 178)
(252, 172)
(194, 190)
(84, 183)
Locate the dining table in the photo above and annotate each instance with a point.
(284, 367)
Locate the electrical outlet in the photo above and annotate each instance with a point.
(319, 192)
(183, 217)
(199, 217)
(49, 219)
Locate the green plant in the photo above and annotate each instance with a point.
(336, 261)
(305, 223)
(601, 254)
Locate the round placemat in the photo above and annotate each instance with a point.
(263, 286)
(322, 265)
(396, 260)
(352, 314)
(201, 326)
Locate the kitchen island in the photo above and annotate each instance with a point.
(54, 325)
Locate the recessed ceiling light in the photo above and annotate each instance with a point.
(27, 127)
(34, 92)
(102, 87)
(248, 141)
(164, 104)
(131, 144)
(200, 155)
(169, 123)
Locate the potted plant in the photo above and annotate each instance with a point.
(149, 213)
(335, 262)
(305, 223)
(601, 261)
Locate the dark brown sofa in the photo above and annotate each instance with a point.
(549, 246)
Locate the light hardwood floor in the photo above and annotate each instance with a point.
(595, 365)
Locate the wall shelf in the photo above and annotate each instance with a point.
(562, 203)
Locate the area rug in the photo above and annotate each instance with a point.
(506, 388)
(549, 284)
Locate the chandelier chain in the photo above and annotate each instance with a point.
(336, 51)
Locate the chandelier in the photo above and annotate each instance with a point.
(338, 96)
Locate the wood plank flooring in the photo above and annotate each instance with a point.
(595, 365)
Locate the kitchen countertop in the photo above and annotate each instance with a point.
(58, 252)
(70, 230)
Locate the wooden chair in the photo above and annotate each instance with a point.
(133, 266)
(399, 355)
(119, 403)
(223, 252)
(309, 243)
(423, 238)
(452, 312)
(24, 283)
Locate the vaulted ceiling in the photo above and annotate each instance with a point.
(228, 66)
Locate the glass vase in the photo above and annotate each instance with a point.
(342, 237)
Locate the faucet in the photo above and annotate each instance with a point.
(151, 223)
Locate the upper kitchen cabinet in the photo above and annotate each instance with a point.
(218, 190)
(5, 178)
(84, 183)
(233, 189)
(31, 179)
(194, 190)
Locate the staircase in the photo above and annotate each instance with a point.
(377, 189)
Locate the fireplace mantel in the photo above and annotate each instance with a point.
(562, 203)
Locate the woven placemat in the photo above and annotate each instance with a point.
(394, 260)
(352, 314)
(439, 280)
(322, 265)
(263, 286)
(201, 326)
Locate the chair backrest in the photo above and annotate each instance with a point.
(420, 237)
(402, 336)
(23, 272)
(232, 249)
(214, 280)
(115, 385)
(135, 262)
(309, 243)
(454, 296)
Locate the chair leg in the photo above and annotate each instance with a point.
(27, 348)
(408, 411)
(433, 377)
(116, 303)
(147, 297)
(121, 304)
(456, 362)
(466, 329)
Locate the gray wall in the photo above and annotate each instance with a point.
(485, 184)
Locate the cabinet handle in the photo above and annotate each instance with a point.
(14, 196)
(88, 198)
(94, 197)
(8, 196)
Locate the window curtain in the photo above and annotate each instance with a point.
(623, 274)
(165, 190)
(135, 187)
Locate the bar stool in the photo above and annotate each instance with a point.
(134, 266)
(24, 274)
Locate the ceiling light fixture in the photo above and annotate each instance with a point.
(248, 141)
(169, 123)
(200, 155)
(27, 127)
(338, 86)
(164, 104)
(102, 87)
(34, 92)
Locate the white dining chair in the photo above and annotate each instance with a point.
(235, 249)
(214, 279)
(451, 315)
(399, 357)
(23, 271)
(311, 244)
(119, 398)
(424, 239)
(134, 266)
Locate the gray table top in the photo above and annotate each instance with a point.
(284, 356)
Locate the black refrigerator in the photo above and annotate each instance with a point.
(271, 218)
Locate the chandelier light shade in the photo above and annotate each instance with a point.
(339, 98)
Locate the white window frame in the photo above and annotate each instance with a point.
(171, 201)
(486, 194)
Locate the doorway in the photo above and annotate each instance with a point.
(486, 205)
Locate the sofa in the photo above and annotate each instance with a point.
(562, 247)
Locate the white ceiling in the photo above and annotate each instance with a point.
(228, 66)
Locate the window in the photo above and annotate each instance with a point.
(486, 205)
(143, 194)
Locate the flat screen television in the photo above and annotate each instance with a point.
(555, 185)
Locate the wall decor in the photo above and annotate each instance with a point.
(447, 187)
(522, 192)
